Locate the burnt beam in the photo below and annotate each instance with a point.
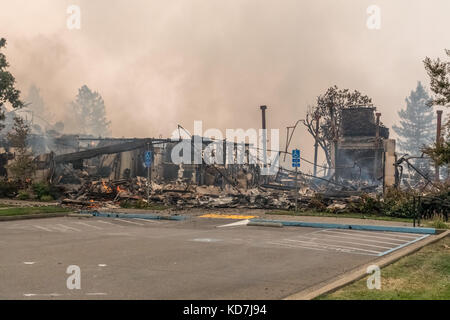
(95, 152)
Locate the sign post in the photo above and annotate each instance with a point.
(148, 164)
(296, 165)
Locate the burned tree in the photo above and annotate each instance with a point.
(8, 92)
(328, 107)
(23, 166)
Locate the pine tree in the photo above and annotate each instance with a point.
(90, 113)
(439, 72)
(35, 102)
(416, 129)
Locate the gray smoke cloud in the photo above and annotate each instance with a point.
(160, 63)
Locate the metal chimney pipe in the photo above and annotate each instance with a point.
(377, 147)
(438, 140)
(263, 113)
(264, 134)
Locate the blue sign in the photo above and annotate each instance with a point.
(296, 158)
(148, 159)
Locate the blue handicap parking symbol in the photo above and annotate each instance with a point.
(296, 158)
(148, 159)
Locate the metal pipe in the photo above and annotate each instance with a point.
(264, 134)
(377, 147)
(438, 141)
(263, 113)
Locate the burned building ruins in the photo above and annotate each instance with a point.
(112, 170)
(364, 151)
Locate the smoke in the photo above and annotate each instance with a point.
(162, 63)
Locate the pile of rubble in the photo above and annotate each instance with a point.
(183, 195)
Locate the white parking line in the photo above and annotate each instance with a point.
(331, 245)
(112, 224)
(68, 228)
(349, 242)
(88, 225)
(404, 245)
(43, 228)
(365, 236)
(410, 235)
(139, 224)
(295, 246)
(362, 239)
(42, 294)
(146, 220)
(234, 224)
(326, 248)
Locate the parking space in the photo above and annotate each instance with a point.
(201, 258)
(368, 243)
(73, 225)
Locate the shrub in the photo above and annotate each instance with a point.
(45, 190)
(41, 189)
(23, 195)
(439, 224)
(47, 198)
(8, 189)
(369, 204)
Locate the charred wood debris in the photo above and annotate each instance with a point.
(105, 193)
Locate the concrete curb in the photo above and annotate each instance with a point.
(265, 224)
(34, 216)
(133, 216)
(360, 272)
(80, 215)
(349, 226)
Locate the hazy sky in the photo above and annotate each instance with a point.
(160, 63)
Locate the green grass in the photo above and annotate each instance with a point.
(32, 210)
(424, 275)
(437, 224)
(338, 215)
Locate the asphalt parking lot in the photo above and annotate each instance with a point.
(200, 258)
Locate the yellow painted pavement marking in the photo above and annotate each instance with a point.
(227, 216)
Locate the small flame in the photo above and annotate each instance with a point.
(106, 188)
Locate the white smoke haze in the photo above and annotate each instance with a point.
(162, 63)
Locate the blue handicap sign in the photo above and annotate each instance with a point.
(296, 158)
(148, 159)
